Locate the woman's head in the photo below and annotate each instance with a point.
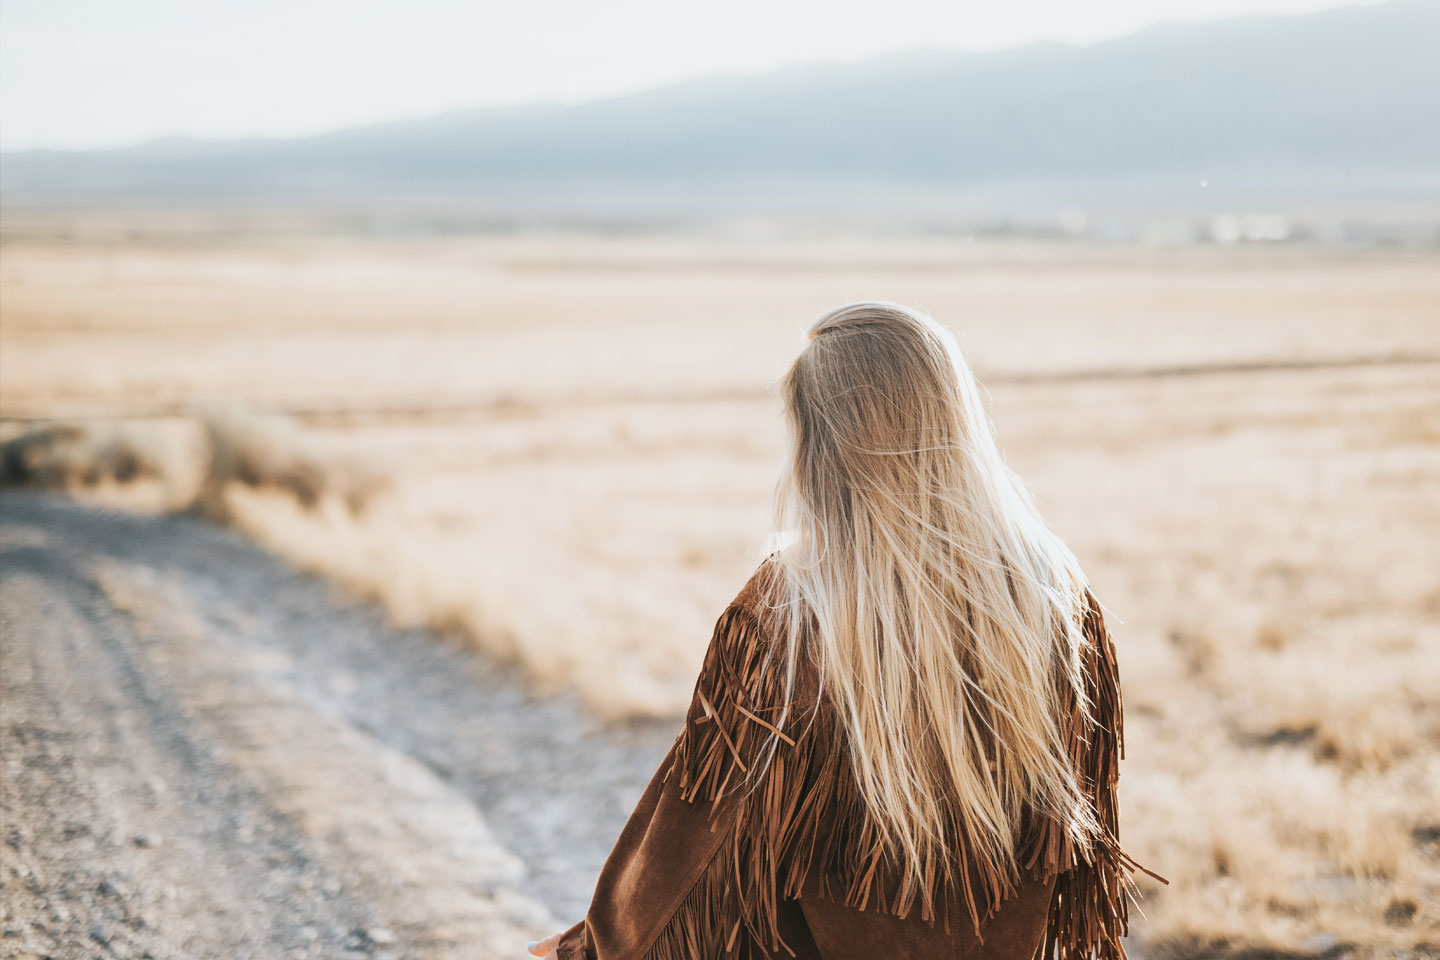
(942, 612)
(882, 409)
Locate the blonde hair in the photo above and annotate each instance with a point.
(944, 616)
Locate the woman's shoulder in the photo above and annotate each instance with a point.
(759, 591)
(744, 691)
(761, 598)
(752, 631)
(749, 626)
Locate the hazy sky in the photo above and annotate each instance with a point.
(88, 73)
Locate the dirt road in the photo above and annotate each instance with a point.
(206, 754)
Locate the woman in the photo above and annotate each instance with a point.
(904, 739)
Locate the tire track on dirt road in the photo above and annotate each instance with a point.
(209, 754)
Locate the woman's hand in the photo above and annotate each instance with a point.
(543, 948)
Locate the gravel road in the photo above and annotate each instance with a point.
(207, 754)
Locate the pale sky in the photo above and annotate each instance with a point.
(97, 73)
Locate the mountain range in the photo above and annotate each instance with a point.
(1345, 99)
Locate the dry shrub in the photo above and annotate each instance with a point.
(267, 453)
(1366, 837)
(236, 448)
(1274, 636)
(1367, 718)
(1303, 850)
(65, 456)
(1368, 735)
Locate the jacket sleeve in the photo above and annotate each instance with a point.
(658, 894)
(1089, 912)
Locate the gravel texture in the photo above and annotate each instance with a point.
(207, 754)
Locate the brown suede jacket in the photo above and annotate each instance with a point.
(710, 867)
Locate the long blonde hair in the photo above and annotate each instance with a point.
(943, 615)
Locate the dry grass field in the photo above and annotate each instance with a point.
(578, 446)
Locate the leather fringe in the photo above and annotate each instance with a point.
(1090, 909)
(805, 819)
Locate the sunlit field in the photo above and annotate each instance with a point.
(570, 443)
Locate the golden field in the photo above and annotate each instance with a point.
(578, 444)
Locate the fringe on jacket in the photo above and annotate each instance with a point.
(806, 819)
